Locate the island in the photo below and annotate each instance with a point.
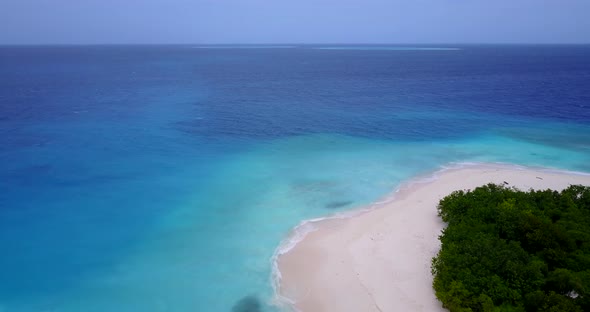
(380, 258)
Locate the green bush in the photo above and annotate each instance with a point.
(509, 250)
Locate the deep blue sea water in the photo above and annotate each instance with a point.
(162, 178)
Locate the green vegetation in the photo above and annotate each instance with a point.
(508, 250)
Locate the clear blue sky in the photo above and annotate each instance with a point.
(294, 21)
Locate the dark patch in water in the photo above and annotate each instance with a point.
(338, 204)
(32, 170)
(47, 174)
(247, 304)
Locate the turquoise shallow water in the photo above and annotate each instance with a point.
(164, 178)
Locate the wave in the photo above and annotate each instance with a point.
(244, 47)
(359, 48)
(369, 48)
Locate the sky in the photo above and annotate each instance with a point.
(293, 21)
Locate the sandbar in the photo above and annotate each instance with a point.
(378, 259)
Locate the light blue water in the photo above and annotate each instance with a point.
(163, 178)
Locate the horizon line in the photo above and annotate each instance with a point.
(293, 44)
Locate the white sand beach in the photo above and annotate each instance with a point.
(379, 259)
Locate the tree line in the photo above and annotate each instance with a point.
(508, 250)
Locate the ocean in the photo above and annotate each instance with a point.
(163, 178)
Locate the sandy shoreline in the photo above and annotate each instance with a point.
(379, 258)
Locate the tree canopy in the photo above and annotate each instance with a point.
(509, 250)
